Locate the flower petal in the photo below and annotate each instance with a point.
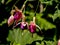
(10, 20)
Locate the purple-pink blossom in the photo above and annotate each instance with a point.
(32, 27)
(23, 25)
(17, 15)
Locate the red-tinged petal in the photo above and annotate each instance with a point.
(58, 42)
(23, 25)
(10, 20)
(32, 27)
(18, 16)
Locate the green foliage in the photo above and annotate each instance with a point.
(43, 23)
(8, 1)
(56, 15)
(23, 37)
(37, 43)
(46, 2)
(3, 22)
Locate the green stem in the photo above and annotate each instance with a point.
(24, 5)
(37, 8)
(15, 3)
(45, 8)
(34, 19)
(41, 7)
(35, 12)
(57, 9)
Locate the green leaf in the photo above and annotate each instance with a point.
(46, 2)
(50, 43)
(56, 0)
(17, 36)
(56, 15)
(3, 22)
(31, 0)
(42, 0)
(44, 24)
(8, 1)
(37, 43)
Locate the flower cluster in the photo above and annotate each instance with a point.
(17, 15)
(24, 25)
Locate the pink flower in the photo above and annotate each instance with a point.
(58, 42)
(23, 25)
(18, 15)
(32, 27)
(10, 20)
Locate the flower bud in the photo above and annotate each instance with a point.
(23, 25)
(18, 15)
(10, 20)
(58, 42)
(32, 27)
